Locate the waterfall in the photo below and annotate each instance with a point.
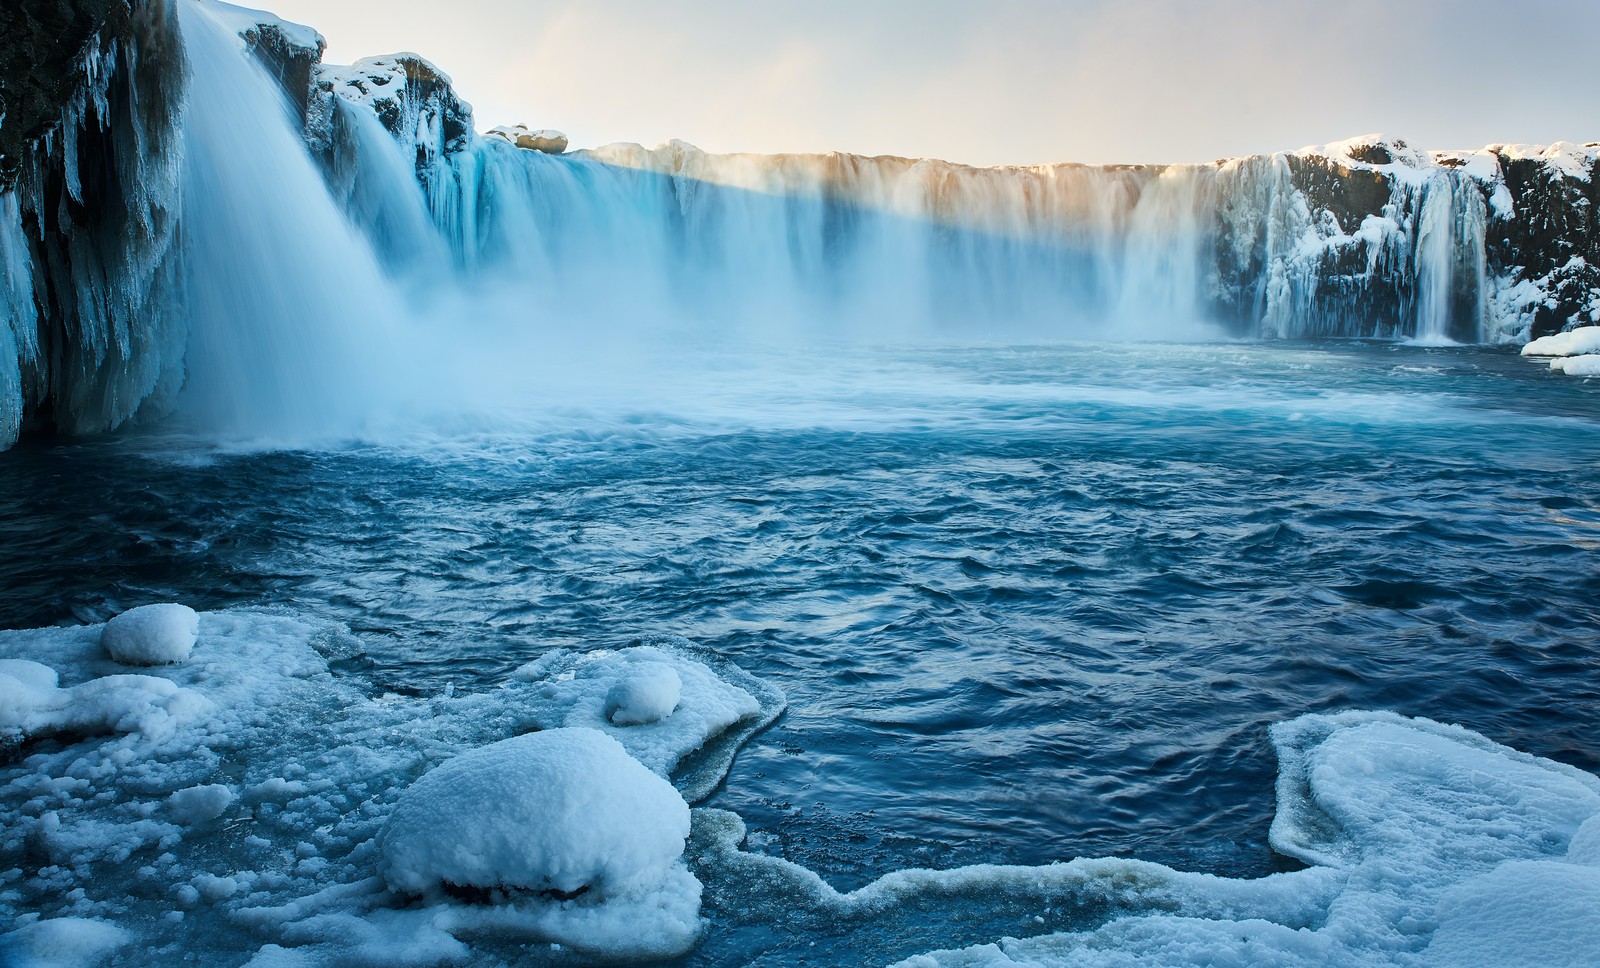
(1436, 244)
(270, 276)
(292, 321)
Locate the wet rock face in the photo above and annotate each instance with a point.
(290, 62)
(42, 43)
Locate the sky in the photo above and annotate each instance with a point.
(991, 82)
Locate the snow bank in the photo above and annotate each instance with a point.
(564, 811)
(151, 634)
(1584, 339)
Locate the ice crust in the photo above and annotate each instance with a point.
(589, 689)
(241, 795)
(151, 634)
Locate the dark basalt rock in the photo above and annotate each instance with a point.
(43, 47)
(1557, 218)
(97, 190)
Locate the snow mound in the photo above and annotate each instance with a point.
(32, 705)
(565, 815)
(564, 810)
(1584, 339)
(649, 694)
(151, 635)
(659, 705)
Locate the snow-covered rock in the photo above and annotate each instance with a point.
(413, 99)
(564, 811)
(648, 694)
(547, 140)
(1584, 339)
(151, 634)
(1587, 364)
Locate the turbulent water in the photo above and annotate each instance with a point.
(1027, 602)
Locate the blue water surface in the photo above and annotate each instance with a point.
(1027, 603)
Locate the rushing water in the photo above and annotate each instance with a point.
(1027, 602)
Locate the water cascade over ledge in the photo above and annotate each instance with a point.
(343, 231)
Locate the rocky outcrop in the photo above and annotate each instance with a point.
(412, 98)
(94, 325)
(544, 140)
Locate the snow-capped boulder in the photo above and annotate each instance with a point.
(648, 694)
(563, 812)
(549, 141)
(1587, 364)
(151, 634)
(1584, 339)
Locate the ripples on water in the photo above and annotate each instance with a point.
(1027, 603)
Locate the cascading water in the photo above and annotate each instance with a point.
(1436, 244)
(302, 274)
(292, 320)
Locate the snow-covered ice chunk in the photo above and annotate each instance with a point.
(1446, 850)
(197, 804)
(648, 694)
(60, 943)
(1574, 342)
(563, 810)
(151, 634)
(32, 705)
(1586, 365)
(583, 689)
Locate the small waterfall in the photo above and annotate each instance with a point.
(292, 320)
(1436, 244)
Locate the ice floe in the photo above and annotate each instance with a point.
(1449, 849)
(251, 803)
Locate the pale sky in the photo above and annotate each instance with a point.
(1001, 81)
